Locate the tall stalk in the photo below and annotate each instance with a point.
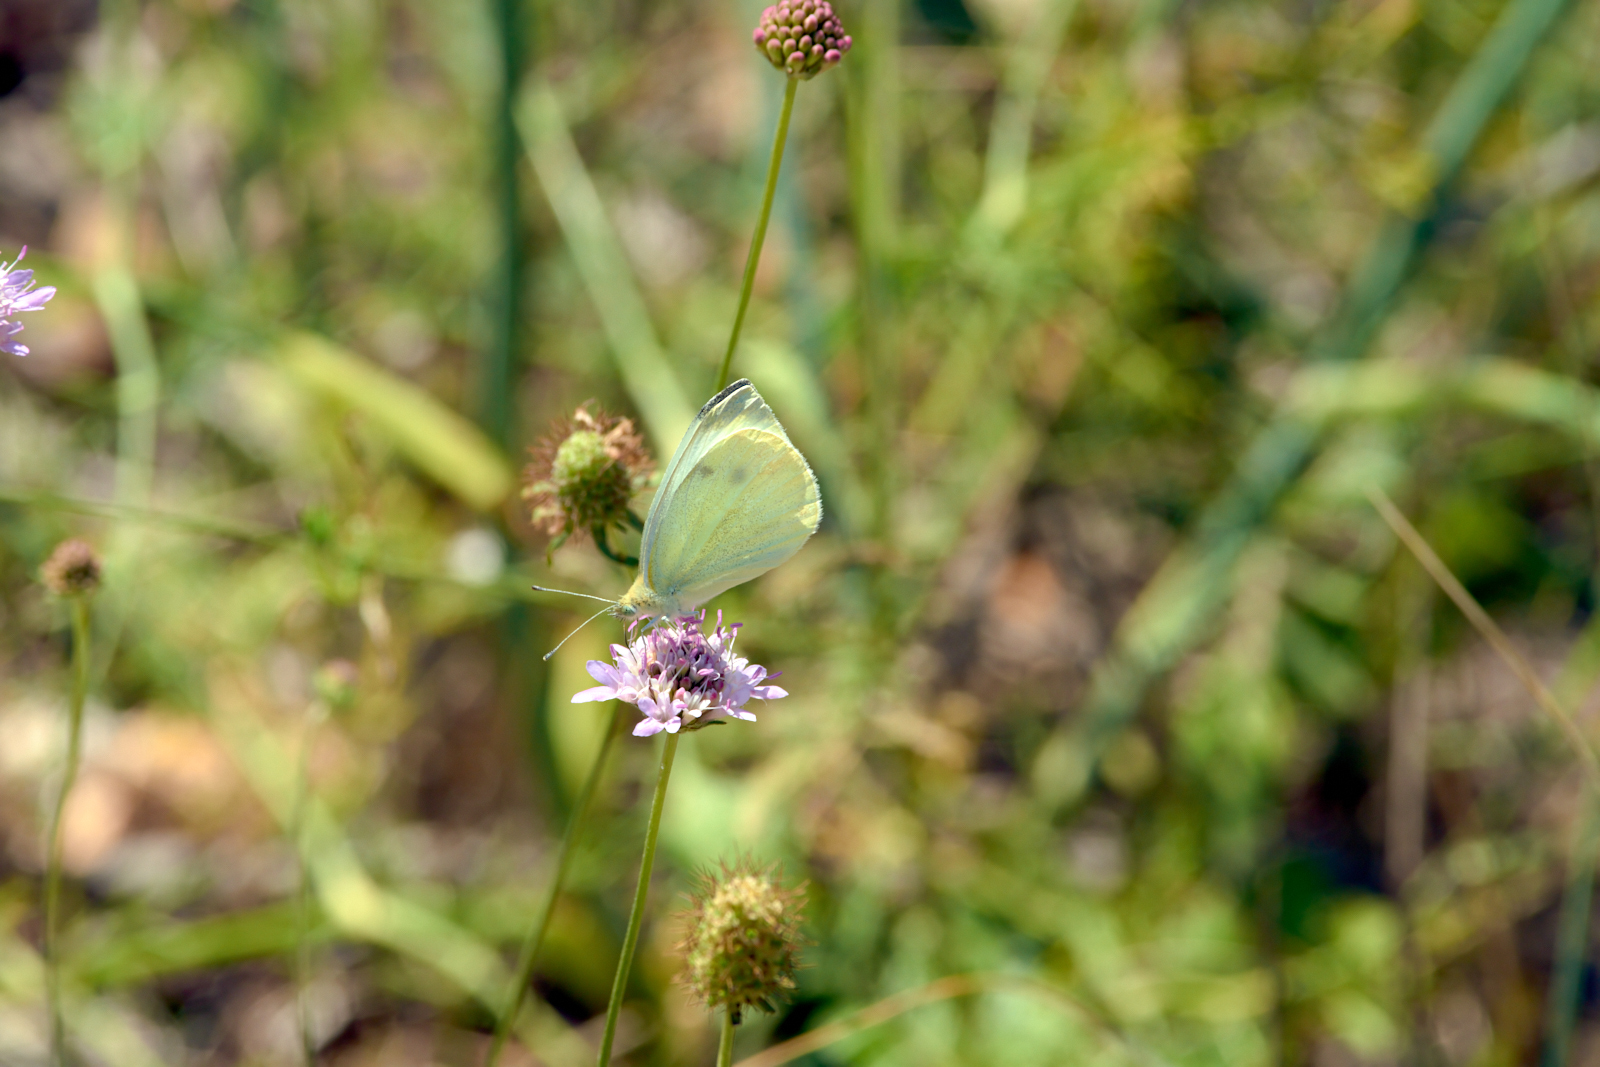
(498, 370)
(725, 1046)
(302, 897)
(528, 956)
(52, 883)
(754, 257)
(636, 918)
(1572, 935)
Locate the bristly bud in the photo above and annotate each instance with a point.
(743, 939)
(802, 38)
(73, 569)
(584, 474)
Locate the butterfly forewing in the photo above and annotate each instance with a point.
(746, 504)
(738, 407)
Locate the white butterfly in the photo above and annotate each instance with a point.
(737, 500)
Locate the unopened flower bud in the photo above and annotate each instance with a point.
(743, 943)
(584, 474)
(802, 38)
(73, 569)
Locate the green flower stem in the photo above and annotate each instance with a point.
(600, 542)
(631, 941)
(761, 229)
(529, 955)
(1572, 936)
(52, 878)
(302, 896)
(725, 1046)
(499, 367)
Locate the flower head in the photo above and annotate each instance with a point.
(73, 569)
(743, 939)
(681, 678)
(584, 473)
(17, 295)
(803, 38)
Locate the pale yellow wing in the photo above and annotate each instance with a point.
(738, 407)
(747, 504)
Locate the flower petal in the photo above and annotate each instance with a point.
(646, 728)
(599, 692)
(35, 300)
(603, 672)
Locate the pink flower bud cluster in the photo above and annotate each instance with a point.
(801, 37)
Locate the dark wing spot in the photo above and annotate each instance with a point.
(739, 474)
(704, 471)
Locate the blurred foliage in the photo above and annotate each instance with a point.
(1047, 282)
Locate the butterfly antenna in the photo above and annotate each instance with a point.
(568, 592)
(581, 625)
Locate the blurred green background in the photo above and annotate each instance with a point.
(1097, 318)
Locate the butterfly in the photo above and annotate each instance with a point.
(737, 500)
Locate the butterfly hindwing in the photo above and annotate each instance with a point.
(747, 503)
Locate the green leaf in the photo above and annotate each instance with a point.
(441, 443)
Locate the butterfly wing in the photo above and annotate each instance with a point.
(748, 502)
(737, 407)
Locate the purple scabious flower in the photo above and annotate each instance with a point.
(17, 295)
(681, 678)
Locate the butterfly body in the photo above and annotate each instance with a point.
(737, 500)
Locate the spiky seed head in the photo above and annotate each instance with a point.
(584, 473)
(743, 940)
(73, 569)
(802, 38)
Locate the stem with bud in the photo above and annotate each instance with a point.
(631, 941)
(529, 955)
(725, 1046)
(52, 883)
(754, 257)
(302, 894)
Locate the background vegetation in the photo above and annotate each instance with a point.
(1097, 318)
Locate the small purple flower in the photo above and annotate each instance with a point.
(17, 295)
(681, 678)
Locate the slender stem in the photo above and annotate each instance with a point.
(1488, 629)
(946, 988)
(610, 553)
(52, 884)
(754, 257)
(498, 371)
(302, 899)
(529, 955)
(121, 304)
(631, 941)
(725, 1046)
(1572, 937)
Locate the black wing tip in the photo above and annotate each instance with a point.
(729, 391)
